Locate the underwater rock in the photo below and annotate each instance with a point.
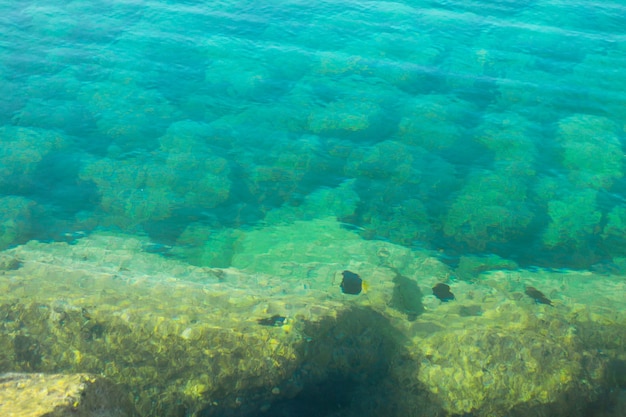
(614, 231)
(128, 114)
(354, 113)
(489, 370)
(16, 219)
(482, 219)
(592, 153)
(22, 152)
(201, 325)
(509, 137)
(574, 220)
(389, 160)
(9, 263)
(471, 267)
(432, 121)
(38, 395)
(442, 291)
(105, 304)
(133, 191)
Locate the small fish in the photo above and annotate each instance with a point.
(442, 291)
(158, 248)
(73, 237)
(538, 296)
(352, 283)
(275, 320)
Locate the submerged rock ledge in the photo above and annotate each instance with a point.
(186, 341)
(57, 395)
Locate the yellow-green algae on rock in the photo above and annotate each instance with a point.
(58, 395)
(186, 339)
(178, 336)
(511, 355)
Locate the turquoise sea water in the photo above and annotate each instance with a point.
(466, 127)
(288, 144)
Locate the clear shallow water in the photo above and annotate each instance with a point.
(467, 127)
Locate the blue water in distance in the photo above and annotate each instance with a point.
(468, 127)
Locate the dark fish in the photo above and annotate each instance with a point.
(158, 248)
(351, 283)
(442, 291)
(275, 320)
(538, 296)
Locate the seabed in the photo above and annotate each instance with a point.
(274, 335)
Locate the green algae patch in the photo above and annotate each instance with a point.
(584, 138)
(490, 209)
(133, 191)
(574, 220)
(433, 121)
(15, 219)
(130, 116)
(22, 150)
